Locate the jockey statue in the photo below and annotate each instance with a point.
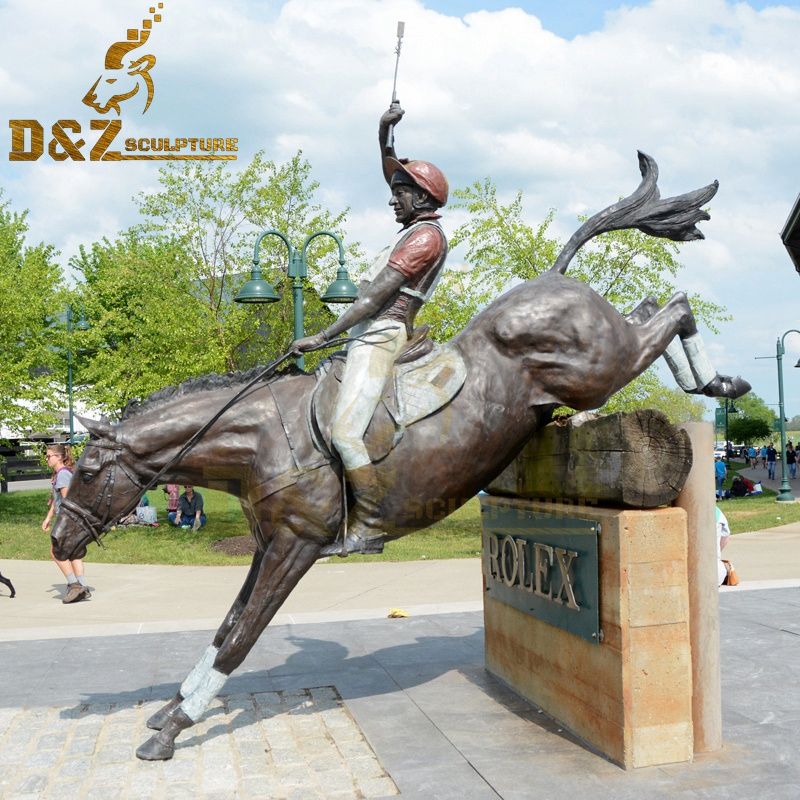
(400, 280)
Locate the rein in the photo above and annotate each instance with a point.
(90, 519)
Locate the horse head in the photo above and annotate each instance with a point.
(104, 487)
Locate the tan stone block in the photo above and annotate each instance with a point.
(662, 744)
(553, 666)
(611, 580)
(658, 593)
(657, 535)
(660, 675)
(630, 695)
(612, 635)
(541, 643)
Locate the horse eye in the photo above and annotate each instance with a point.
(86, 476)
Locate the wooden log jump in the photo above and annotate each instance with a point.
(634, 460)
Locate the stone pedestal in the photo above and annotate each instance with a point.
(628, 695)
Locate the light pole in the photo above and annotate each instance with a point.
(729, 409)
(258, 290)
(82, 325)
(785, 494)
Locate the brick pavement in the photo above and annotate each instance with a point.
(300, 744)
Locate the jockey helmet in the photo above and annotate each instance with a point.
(427, 176)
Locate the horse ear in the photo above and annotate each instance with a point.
(99, 428)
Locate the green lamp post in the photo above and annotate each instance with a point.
(785, 494)
(258, 290)
(82, 325)
(730, 408)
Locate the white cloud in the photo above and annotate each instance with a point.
(705, 86)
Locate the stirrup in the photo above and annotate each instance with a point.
(354, 544)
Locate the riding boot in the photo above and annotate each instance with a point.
(364, 533)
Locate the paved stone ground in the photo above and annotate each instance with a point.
(418, 714)
(301, 744)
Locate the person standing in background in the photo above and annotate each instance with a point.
(59, 459)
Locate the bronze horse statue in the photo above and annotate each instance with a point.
(550, 341)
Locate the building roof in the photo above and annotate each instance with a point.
(790, 235)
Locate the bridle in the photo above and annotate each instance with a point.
(93, 519)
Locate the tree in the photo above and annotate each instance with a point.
(751, 406)
(622, 266)
(31, 298)
(748, 430)
(160, 297)
(216, 215)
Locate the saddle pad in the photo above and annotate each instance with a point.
(425, 385)
(417, 391)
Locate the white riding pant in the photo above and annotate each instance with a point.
(369, 364)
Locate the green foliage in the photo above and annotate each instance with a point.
(217, 215)
(747, 430)
(751, 406)
(501, 249)
(753, 420)
(31, 297)
(145, 329)
(647, 391)
(159, 298)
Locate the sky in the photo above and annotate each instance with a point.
(552, 99)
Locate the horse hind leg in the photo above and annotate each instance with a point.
(643, 312)
(287, 558)
(685, 353)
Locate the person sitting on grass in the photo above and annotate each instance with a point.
(190, 510)
(739, 487)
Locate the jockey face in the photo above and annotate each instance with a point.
(402, 202)
(408, 200)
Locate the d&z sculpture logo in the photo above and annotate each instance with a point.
(126, 70)
(126, 74)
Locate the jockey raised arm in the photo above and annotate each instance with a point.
(400, 280)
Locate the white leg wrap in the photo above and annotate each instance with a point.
(194, 705)
(201, 669)
(676, 360)
(695, 351)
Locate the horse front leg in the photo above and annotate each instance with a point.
(285, 561)
(200, 670)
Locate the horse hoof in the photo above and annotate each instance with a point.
(155, 750)
(162, 716)
(725, 386)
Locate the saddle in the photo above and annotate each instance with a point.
(417, 389)
(425, 379)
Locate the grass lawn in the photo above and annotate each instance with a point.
(755, 513)
(21, 534)
(458, 536)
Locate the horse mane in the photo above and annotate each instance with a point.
(203, 383)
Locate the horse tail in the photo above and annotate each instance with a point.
(673, 218)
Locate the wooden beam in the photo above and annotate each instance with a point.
(636, 460)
